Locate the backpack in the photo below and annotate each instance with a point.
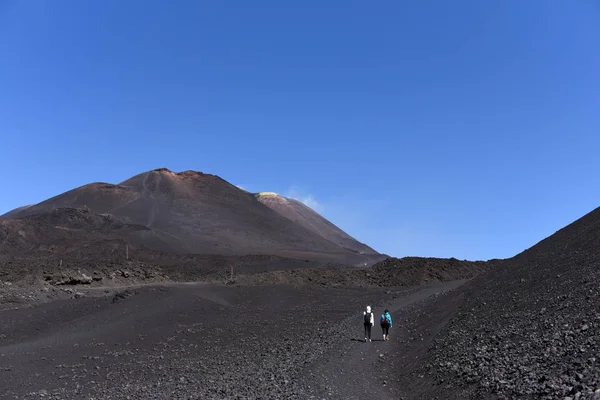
(384, 320)
(367, 318)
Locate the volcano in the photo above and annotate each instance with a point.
(189, 213)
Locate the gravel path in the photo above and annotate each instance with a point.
(352, 369)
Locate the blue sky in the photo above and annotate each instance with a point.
(465, 128)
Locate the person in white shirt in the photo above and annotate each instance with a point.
(369, 321)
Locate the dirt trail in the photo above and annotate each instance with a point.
(350, 369)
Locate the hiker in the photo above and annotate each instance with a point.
(368, 322)
(386, 324)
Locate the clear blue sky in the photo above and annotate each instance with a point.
(430, 128)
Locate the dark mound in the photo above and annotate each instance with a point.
(192, 212)
(419, 270)
(308, 218)
(392, 272)
(528, 329)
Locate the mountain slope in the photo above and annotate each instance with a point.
(528, 329)
(64, 229)
(192, 212)
(14, 213)
(308, 218)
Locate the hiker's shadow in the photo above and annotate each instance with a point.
(363, 340)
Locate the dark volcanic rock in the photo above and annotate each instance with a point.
(75, 278)
(120, 296)
(529, 328)
(409, 271)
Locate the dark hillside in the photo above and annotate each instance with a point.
(528, 329)
(76, 242)
(391, 272)
(14, 213)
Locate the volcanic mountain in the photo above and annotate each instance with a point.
(310, 219)
(190, 213)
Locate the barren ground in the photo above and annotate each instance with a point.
(187, 341)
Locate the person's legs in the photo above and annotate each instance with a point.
(386, 332)
(365, 325)
(369, 331)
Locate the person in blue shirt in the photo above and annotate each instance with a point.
(386, 323)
